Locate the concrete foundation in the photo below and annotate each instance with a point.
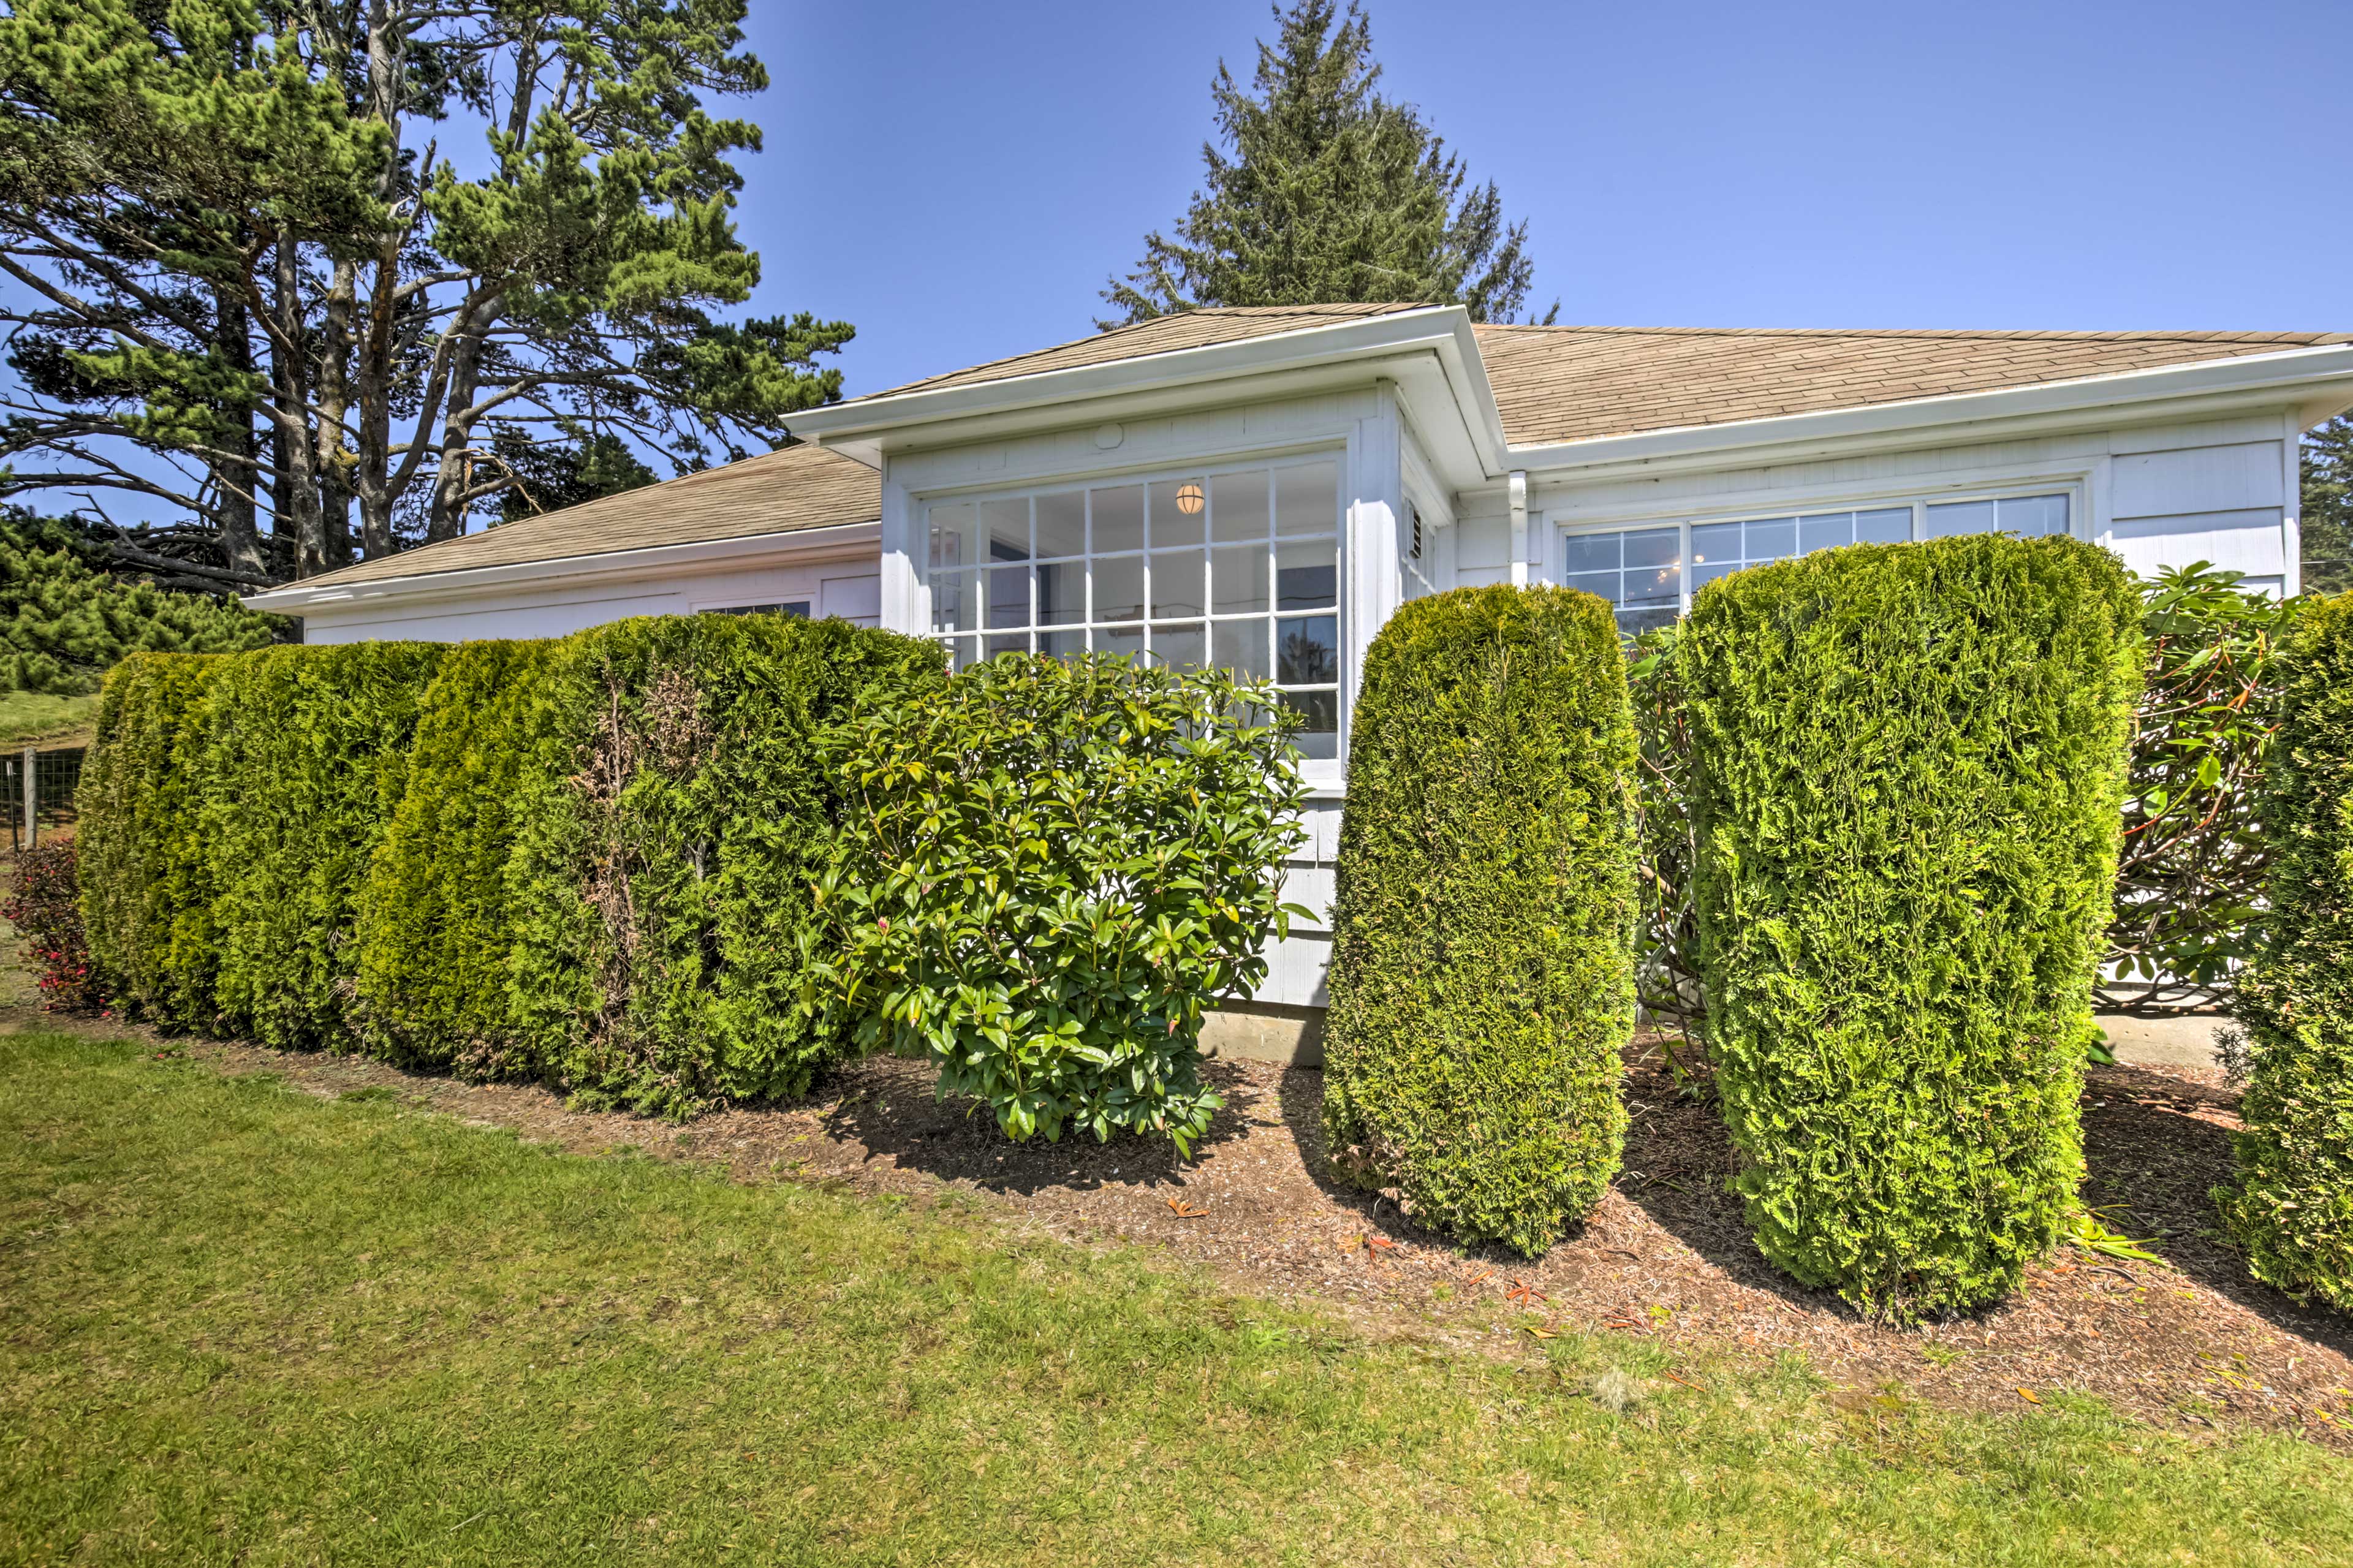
(1294, 1036)
(1265, 1032)
(2162, 1042)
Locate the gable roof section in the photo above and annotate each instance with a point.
(1160, 335)
(783, 491)
(1575, 383)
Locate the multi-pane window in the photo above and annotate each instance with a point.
(795, 610)
(1237, 570)
(1649, 573)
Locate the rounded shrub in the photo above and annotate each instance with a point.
(1481, 985)
(436, 924)
(664, 871)
(305, 759)
(1051, 870)
(1907, 775)
(144, 870)
(2292, 1207)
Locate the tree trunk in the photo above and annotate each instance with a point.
(237, 478)
(447, 519)
(333, 463)
(299, 469)
(372, 474)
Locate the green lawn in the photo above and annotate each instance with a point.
(241, 1324)
(38, 716)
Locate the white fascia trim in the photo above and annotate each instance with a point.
(645, 561)
(859, 429)
(2290, 373)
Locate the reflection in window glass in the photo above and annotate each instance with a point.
(1240, 647)
(798, 611)
(1177, 578)
(1888, 525)
(1182, 646)
(1119, 588)
(2031, 517)
(1958, 517)
(1240, 570)
(1061, 524)
(1118, 515)
(1006, 524)
(1638, 570)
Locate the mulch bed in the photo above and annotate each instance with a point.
(2192, 1344)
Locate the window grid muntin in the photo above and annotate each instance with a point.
(1634, 619)
(977, 634)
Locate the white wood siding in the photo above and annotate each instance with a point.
(847, 587)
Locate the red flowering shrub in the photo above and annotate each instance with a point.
(45, 906)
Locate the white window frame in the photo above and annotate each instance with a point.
(2076, 485)
(782, 604)
(1322, 772)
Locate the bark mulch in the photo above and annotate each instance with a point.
(2190, 1342)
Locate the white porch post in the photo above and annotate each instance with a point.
(1519, 502)
(1376, 481)
(905, 601)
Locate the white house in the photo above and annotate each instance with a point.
(1261, 489)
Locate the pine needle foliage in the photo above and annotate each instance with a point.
(1324, 192)
(305, 759)
(64, 623)
(146, 878)
(664, 872)
(435, 922)
(2292, 1207)
(1483, 964)
(1908, 771)
(2325, 518)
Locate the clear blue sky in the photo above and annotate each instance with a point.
(958, 180)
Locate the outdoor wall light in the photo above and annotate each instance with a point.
(1188, 499)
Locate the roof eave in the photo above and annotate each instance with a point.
(633, 562)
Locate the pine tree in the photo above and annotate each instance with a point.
(1326, 193)
(255, 270)
(2328, 508)
(65, 620)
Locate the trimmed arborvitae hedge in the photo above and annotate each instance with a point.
(1482, 964)
(2293, 1205)
(664, 875)
(306, 756)
(434, 920)
(1909, 773)
(146, 876)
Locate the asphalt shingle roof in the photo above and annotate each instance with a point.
(1552, 384)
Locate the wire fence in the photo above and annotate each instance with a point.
(55, 776)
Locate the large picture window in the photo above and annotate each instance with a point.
(1237, 570)
(1651, 572)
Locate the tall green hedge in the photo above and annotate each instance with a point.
(2293, 1205)
(306, 756)
(1483, 964)
(436, 925)
(145, 875)
(1908, 772)
(663, 874)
